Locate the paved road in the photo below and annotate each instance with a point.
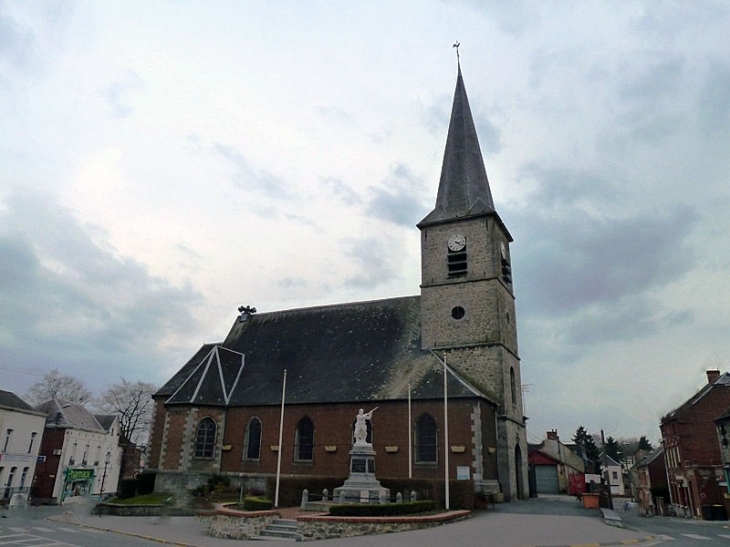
(546, 521)
(679, 532)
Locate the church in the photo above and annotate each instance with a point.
(222, 411)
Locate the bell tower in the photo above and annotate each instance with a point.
(467, 298)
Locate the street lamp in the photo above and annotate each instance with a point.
(107, 460)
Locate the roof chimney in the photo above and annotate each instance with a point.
(553, 435)
(712, 375)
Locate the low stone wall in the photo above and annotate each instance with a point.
(327, 527)
(232, 524)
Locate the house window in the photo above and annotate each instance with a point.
(426, 439)
(304, 442)
(205, 438)
(23, 476)
(252, 442)
(615, 475)
(32, 440)
(8, 436)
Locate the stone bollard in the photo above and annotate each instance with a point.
(305, 499)
(325, 495)
(342, 496)
(413, 495)
(383, 498)
(399, 498)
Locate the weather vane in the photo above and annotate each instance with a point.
(456, 45)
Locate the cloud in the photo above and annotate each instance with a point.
(118, 92)
(248, 178)
(68, 301)
(590, 262)
(370, 255)
(396, 202)
(340, 190)
(713, 98)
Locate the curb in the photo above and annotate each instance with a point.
(120, 532)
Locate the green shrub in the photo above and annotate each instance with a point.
(254, 503)
(218, 483)
(384, 510)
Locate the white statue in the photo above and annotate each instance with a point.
(361, 426)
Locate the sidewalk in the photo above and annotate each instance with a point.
(541, 522)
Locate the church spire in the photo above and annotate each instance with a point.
(464, 187)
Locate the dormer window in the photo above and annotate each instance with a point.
(457, 255)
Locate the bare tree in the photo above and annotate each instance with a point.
(132, 402)
(55, 385)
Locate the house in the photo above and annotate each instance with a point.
(220, 413)
(21, 430)
(555, 467)
(722, 425)
(615, 472)
(651, 487)
(691, 449)
(80, 454)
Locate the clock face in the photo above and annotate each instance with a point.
(457, 242)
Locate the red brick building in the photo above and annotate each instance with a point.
(692, 452)
(221, 412)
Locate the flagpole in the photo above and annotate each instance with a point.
(281, 436)
(410, 436)
(446, 434)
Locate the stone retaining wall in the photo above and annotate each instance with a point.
(232, 524)
(327, 527)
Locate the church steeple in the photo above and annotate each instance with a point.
(464, 187)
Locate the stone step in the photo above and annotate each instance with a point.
(281, 530)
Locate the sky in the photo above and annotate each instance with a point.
(162, 163)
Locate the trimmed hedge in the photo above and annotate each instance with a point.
(254, 503)
(384, 510)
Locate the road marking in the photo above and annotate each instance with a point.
(43, 529)
(726, 536)
(695, 536)
(17, 530)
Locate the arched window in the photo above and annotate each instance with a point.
(304, 442)
(513, 385)
(252, 442)
(426, 439)
(205, 438)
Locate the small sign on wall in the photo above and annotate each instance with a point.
(462, 473)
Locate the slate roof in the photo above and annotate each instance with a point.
(10, 401)
(364, 351)
(61, 414)
(106, 421)
(463, 188)
(650, 457)
(722, 382)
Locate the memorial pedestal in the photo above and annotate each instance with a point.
(362, 486)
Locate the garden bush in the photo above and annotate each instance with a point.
(384, 510)
(255, 503)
